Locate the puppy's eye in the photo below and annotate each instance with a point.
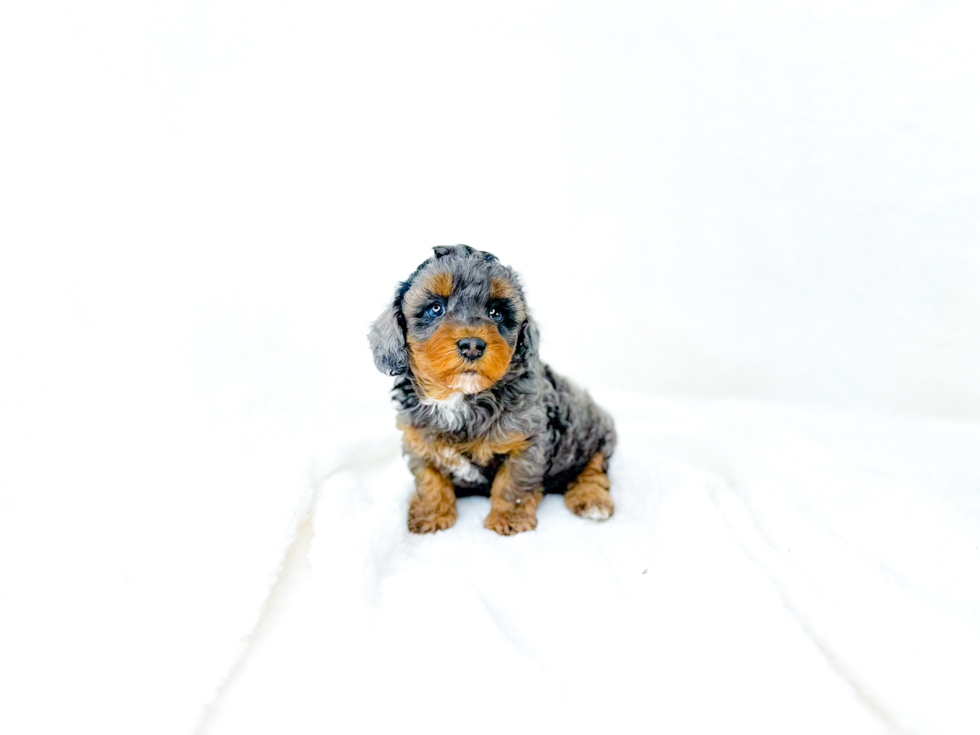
(434, 311)
(496, 314)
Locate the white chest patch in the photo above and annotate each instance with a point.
(451, 411)
(457, 465)
(453, 414)
(465, 471)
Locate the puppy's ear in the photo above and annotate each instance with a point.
(527, 342)
(387, 340)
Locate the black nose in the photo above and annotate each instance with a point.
(471, 347)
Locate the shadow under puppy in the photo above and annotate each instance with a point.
(480, 413)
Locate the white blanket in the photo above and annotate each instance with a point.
(767, 570)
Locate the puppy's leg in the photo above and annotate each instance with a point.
(512, 509)
(433, 506)
(588, 494)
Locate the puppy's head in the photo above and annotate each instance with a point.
(458, 324)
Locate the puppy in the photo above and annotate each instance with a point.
(480, 414)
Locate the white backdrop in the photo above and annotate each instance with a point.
(203, 206)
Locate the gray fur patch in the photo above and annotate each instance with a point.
(387, 340)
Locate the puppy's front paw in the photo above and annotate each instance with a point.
(509, 518)
(426, 518)
(507, 523)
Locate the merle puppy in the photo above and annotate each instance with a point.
(480, 413)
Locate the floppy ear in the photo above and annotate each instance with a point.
(527, 342)
(387, 340)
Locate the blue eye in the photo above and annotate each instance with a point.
(434, 311)
(496, 314)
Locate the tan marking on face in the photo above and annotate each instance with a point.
(441, 370)
(501, 289)
(439, 283)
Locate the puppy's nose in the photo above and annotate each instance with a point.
(471, 347)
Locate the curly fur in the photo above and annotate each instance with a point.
(503, 424)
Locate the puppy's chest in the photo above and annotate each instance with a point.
(463, 467)
(468, 462)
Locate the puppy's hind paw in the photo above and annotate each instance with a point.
(590, 501)
(588, 495)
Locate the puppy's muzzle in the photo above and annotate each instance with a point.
(471, 348)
